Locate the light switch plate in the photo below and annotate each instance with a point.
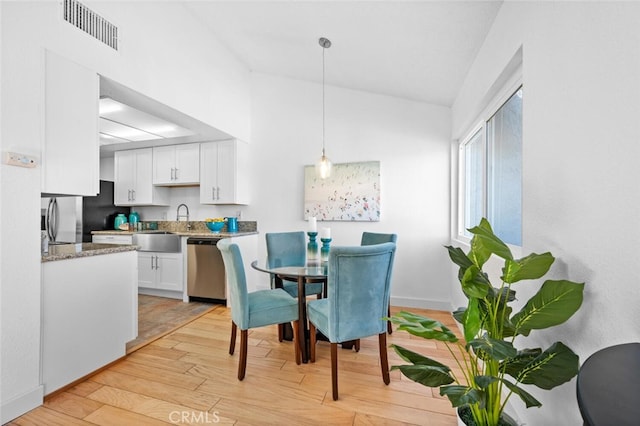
(20, 160)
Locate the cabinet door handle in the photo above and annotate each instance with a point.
(213, 192)
(156, 262)
(151, 262)
(128, 195)
(173, 173)
(218, 193)
(176, 173)
(133, 195)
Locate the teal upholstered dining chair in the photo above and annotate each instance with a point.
(370, 238)
(289, 249)
(357, 300)
(255, 309)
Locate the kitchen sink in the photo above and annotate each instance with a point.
(154, 232)
(162, 241)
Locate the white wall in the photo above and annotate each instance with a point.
(580, 175)
(411, 141)
(165, 55)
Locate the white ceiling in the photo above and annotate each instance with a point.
(418, 50)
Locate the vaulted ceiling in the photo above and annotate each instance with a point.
(419, 50)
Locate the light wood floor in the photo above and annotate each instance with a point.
(188, 377)
(158, 316)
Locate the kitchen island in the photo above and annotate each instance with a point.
(89, 309)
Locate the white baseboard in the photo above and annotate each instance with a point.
(21, 404)
(439, 305)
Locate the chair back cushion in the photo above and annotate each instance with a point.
(234, 268)
(358, 285)
(286, 249)
(371, 238)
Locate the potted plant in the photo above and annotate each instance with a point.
(480, 388)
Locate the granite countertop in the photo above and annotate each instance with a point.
(72, 251)
(197, 234)
(198, 229)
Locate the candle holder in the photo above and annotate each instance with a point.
(312, 248)
(324, 250)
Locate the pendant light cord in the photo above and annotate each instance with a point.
(323, 49)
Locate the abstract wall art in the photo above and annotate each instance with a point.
(351, 193)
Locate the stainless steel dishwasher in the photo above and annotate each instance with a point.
(205, 270)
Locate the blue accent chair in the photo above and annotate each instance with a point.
(357, 300)
(289, 249)
(370, 238)
(256, 309)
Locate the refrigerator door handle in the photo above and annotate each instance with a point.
(52, 219)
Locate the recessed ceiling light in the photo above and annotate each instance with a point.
(130, 124)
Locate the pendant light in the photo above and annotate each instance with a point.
(323, 165)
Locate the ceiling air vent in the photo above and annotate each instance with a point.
(80, 16)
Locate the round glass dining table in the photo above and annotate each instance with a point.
(301, 275)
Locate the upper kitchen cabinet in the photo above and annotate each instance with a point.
(70, 150)
(133, 172)
(176, 165)
(224, 171)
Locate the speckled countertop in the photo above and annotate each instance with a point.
(72, 251)
(197, 229)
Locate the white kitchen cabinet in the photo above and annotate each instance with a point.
(133, 180)
(161, 271)
(224, 177)
(112, 239)
(89, 313)
(70, 149)
(176, 164)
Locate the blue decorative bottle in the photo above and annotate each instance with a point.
(312, 249)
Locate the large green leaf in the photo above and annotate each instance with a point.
(418, 359)
(423, 327)
(513, 366)
(471, 320)
(475, 283)
(426, 375)
(551, 368)
(463, 395)
(495, 349)
(530, 267)
(526, 397)
(553, 304)
(458, 257)
(485, 242)
(458, 314)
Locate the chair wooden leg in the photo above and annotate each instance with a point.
(357, 345)
(334, 370)
(384, 362)
(312, 342)
(389, 328)
(280, 332)
(296, 344)
(232, 342)
(242, 363)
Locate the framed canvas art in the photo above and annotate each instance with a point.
(351, 193)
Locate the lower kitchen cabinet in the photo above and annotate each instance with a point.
(161, 271)
(89, 313)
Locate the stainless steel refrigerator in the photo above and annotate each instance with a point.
(62, 219)
(71, 219)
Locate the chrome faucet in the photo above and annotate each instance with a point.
(178, 215)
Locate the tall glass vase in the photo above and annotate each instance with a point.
(324, 250)
(312, 249)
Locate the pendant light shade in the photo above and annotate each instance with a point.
(323, 165)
